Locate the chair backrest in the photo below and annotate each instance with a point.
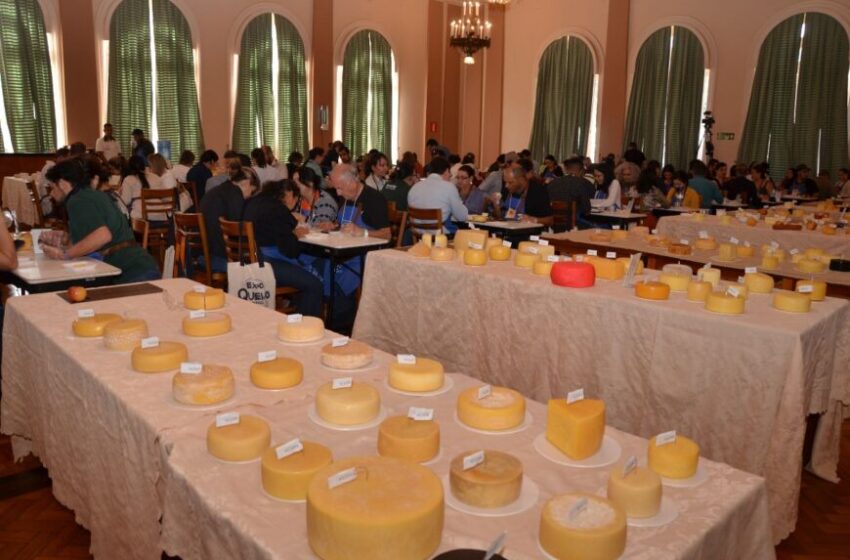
(421, 221)
(158, 201)
(140, 230)
(398, 224)
(564, 218)
(239, 241)
(36, 202)
(193, 191)
(190, 240)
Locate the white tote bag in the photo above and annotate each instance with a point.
(252, 282)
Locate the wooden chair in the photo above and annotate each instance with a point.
(240, 245)
(421, 221)
(398, 224)
(35, 198)
(563, 219)
(190, 244)
(140, 230)
(193, 191)
(158, 206)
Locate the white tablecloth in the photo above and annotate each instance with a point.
(16, 197)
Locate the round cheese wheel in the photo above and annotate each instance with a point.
(423, 376)
(166, 357)
(794, 302)
(442, 254)
(211, 298)
(699, 290)
(211, 324)
(420, 250)
(769, 262)
(813, 252)
(441, 240)
(619, 235)
(288, 478)
(393, 509)
(652, 290)
(243, 441)
(698, 216)
(638, 493)
(213, 385)
(280, 373)
(500, 253)
(502, 410)
(412, 440)
(720, 302)
(573, 274)
(93, 326)
(745, 250)
(125, 335)
(818, 292)
(679, 249)
(678, 459)
(597, 533)
(353, 355)
(743, 290)
(759, 282)
(494, 483)
(725, 220)
(828, 230)
(474, 257)
(677, 282)
(657, 240)
(639, 231)
(727, 252)
(492, 242)
(681, 269)
(705, 244)
(710, 275)
(608, 269)
(308, 329)
(525, 260)
(542, 268)
(350, 406)
(603, 236)
(811, 266)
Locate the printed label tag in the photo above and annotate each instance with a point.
(191, 368)
(575, 396)
(341, 341)
(553, 258)
(579, 258)
(630, 466)
(654, 231)
(420, 414)
(592, 252)
(199, 289)
(150, 342)
(472, 226)
(507, 244)
(578, 508)
(774, 245)
(751, 270)
(720, 212)
(484, 391)
(294, 318)
(734, 240)
(226, 419)
(341, 383)
(342, 477)
(703, 234)
(684, 242)
(407, 359)
(741, 280)
(733, 291)
(615, 227)
(665, 438)
(473, 460)
(85, 313)
(267, 356)
(806, 289)
(476, 246)
(289, 448)
(794, 251)
(707, 265)
(543, 242)
(534, 237)
(611, 255)
(198, 314)
(533, 250)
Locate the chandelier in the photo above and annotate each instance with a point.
(471, 32)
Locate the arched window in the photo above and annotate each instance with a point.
(27, 108)
(152, 76)
(566, 86)
(668, 96)
(798, 105)
(271, 93)
(367, 94)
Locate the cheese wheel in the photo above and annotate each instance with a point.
(743, 290)
(608, 269)
(603, 236)
(769, 262)
(280, 373)
(698, 216)
(725, 220)
(494, 483)
(705, 244)
(243, 441)
(710, 275)
(93, 326)
(639, 493)
(308, 329)
(794, 302)
(573, 274)
(211, 324)
(412, 440)
(474, 257)
(677, 282)
(423, 376)
(212, 298)
(759, 282)
(353, 355)
(652, 290)
(213, 385)
(818, 292)
(536, 249)
(166, 357)
(427, 239)
(525, 260)
(678, 459)
(639, 231)
(657, 240)
(727, 252)
(682, 269)
(500, 253)
(441, 240)
(698, 290)
(576, 429)
(813, 252)
(350, 406)
(679, 249)
(502, 410)
(619, 235)
(420, 250)
(809, 266)
(442, 254)
(393, 509)
(492, 242)
(745, 250)
(542, 268)
(720, 302)
(627, 261)
(124, 335)
(828, 230)
(288, 478)
(463, 237)
(597, 533)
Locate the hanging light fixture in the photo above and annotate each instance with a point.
(471, 32)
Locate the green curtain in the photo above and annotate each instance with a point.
(821, 125)
(292, 89)
(647, 101)
(254, 103)
(768, 127)
(367, 71)
(177, 116)
(26, 76)
(684, 98)
(564, 100)
(130, 102)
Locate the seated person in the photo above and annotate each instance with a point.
(202, 171)
(551, 169)
(475, 200)
(398, 189)
(682, 195)
(648, 193)
(527, 198)
(436, 192)
(135, 179)
(318, 208)
(608, 190)
(573, 187)
(377, 167)
(706, 189)
(742, 188)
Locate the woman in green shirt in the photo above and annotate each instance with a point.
(96, 227)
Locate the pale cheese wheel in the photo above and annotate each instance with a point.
(353, 355)
(710, 275)
(211, 324)
(492, 242)
(818, 292)
(745, 250)
(442, 254)
(794, 302)
(393, 509)
(124, 335)
(500, 253)
(542, 268)
(698, 290)
(727, 252)
(441, 240)
(813, 252)
(308, 329)
(678, 459)
(494, 483)
(726, 304)
(211, 298)
(213, 385)
(769, 262)
(759, 282)
(348, 406)
(536, 248)
(639, 231)
(798, 257)
(464, 237)
(603, 236)
(474, 257)
(289, 477)
(525, 260)
(167, 356)
(280, 373)
(619, 235)
(89, 327)
(679, 249)
(576, 429)
(423, 376)
(597, 533)
(412, 440)
(725, 220)
(420, 250)
(638, 493)
(677, 282)
(243, 441)
(705, 244)
(502, 410)
(652, 290)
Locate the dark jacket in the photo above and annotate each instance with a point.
(226, 202)
(274, 225)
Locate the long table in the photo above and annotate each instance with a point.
(16, 197)
(37, 272)
(124, 456)
(742, 386)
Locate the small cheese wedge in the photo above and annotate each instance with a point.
(576, 429)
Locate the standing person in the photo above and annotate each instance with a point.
(608, 189)
(265, 172)
(181, 170)
(226, 201)
(107, 146)
(707, 189)
(202, 171)
(437, 192)
(141, 146)
(377, 168)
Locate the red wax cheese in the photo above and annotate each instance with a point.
(573, 274)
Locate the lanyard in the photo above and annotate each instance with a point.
(346, 217)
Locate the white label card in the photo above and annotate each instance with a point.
(191, 368)
(592, 252)
(794, 251)
(741, 280)
(578, 508)
(720, 212)
(342, 477)
(420, 414)
(341, 383)
(703, 234)
(476, 246)
(294, 318)
(267, 356)
(226, 419)
(615, 227)
(707, 265)
(733, 291)
(534, 238)
(484, 391)
(774, 244)
(654, 231)
(629, 466)
(473, 460)
(746, 244)
(806, 289)
(543, 242)
(85, 313)
(407, 359)
(579, 258)
(750, 270)
(507, 244)
(289, 448)
(575, 396)
(150, 342)
(553, 258)
(472, 226)
(611, 255)
(684, 242)
(341, 341)
(199, 289)
(665, 438)
(734, 240)
(533, 250)
(198, 314)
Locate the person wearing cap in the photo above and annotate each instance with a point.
(142, 147)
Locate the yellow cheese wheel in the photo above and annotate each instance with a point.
(818, 292)
(811, 266)
(441, 240)
(619, 235)
(535, 248)
(212, 324)
(213, 385)
(677, 282)
(813, 252)
(705, 244)
(794, 302)
(463, 237)
(166, 357)
(525, 260)
(280, 373)
(288, 478)
(603, 236)
(679, 249)
(710, 275)
(720, 302)
(698, 216)
(726, 251)
(353, 355)
(502, 410)
(639, 493)
(500, 253)
(393, 509)
(442, 254)
(474, 257)
(626, 261)
(678, 459)
(828, 230)
(493, 483)
(125, 335)
(542, 268)
(743, 290)
(420, 250)
(725, 220)
(412, 440)
(93, 326)
(243, 441)
(769, 262)
(795, 258)
(492, 242)
(608, 269)
(639, 231)
(576, 429)
(350, 406)
(597, 533)
(759, 282)
(745, 250)
(423, 376)
(652, 290)
(308, 329)
(211, 298)
(698, 290)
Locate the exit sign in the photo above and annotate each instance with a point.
(725, 135)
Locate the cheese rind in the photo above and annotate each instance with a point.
(463, 237)
(726, 304)
(353, 355)
(745, 251)
(474, 257)
(212, 298)
(442, 254)
(576, 429)
(678, 459)
(542, 268)
(350, 406)
(525, 260)
(794, 302)
(212, 324)
(89, 327)
(759, 282)
(573, 274)
(280, 373)
(818, 292)
(698, 290)
(598, 533)
(423, 376)
(710, 275)
(494, 483)
(705, 244)
(769, 262)
(166, 357)
(535, 248)
(726, 252)
(308, 329)
(652, 290)
(243, 441)
(811, 266)
(500, 253)
(412, 440)
(124, 335)
(288, 478)
(677, 282)
(608, 269)
(639, 493)
(679, 249)
(213, 385)
(502, 410)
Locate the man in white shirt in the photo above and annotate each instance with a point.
(437, 192)
(107, 146)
